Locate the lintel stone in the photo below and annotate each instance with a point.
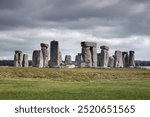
(88, 44)
(104, 47)
(44, 45)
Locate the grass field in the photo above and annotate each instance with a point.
(81, 83)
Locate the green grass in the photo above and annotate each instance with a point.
(46, 83)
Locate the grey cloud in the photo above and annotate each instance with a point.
(10, 4)
(73, 21)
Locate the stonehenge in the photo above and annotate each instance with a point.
(111, 62)
(89, 54)
(54, 54)
(25, 62)
(131, 59)
(99, 59)
(78, 60)
(68, 60)
(45, 52)
(118, 59)
(87, 58)
(60, 58)
(104, 58)
(37, 59)
(94, 57)
(18, 57)
(125, 58)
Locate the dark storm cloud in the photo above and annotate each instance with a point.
(10, 4)
(131, 15)
(76, 14)
(117, 23)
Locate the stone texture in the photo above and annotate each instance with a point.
(44, 45)
(104, 56)
(87, 57)
(111, 62)
(88, 44)
(94, 56)
(68, 60)
(45, 52)
(98, 59)
(54, 54)
(78, 60)
(89, 54)
(131, 59)
(18, 57)
(118, 59)
(25, 62)
(37, 58)
(104, 47)
(60, 58)
(125, 59)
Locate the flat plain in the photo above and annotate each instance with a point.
(74, 84)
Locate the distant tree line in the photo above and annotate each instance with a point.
(142, 63)
(11, 63)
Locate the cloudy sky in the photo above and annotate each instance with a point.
(120, 24)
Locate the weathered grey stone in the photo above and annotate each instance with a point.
(131, 59)
(37, 58)
(94, 56)
(25, 62)
(45, 52)
(98, 59)
(104, 47)
(104, 56)
(111, 62)
(88, 44)
(44, 45)
(118, 59)
(54, 54)
(87, 57)
(70, 66)
(60, 58)
(78, 60)
(18, 57)
(125, 58)
(89, 54)
(68, 60)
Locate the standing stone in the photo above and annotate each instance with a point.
(44, 48)
(104, 56)
(118, 59)
(78, 60)
(131, 59)
(94, 56)
(25, 62)
(37, 58)
(89, 54)
(125, 58)
(54, 54)
(18, 57)
(111, 62)
(68, 60)
(99, 59)
(86, 54)
(60, 58)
